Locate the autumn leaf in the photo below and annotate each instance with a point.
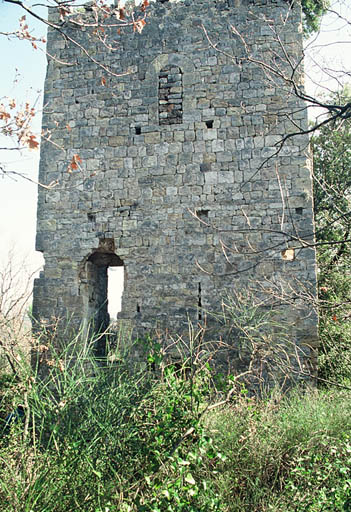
(32, 142)
(3, 114)
(63, 12)
(144, 5)
(121, 14)
(139, 25)
(288, 254)
(74, 165)
(335, 318)
(103, 81)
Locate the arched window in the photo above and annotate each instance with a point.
(170, 95)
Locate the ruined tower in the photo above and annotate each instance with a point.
(182, 178)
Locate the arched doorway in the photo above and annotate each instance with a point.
(100, 289)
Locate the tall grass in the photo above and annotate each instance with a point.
(110, 435)
(103, 435)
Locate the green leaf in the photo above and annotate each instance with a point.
(165, 492)
(182, 462)
(190, 479)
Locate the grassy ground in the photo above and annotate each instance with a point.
(114, 438)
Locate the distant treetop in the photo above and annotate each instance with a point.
(313, 10)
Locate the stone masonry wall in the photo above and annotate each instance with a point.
(175, 183)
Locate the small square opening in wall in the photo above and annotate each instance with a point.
(209, 124)
(299, 211)
(91, 217)
(137, 130)
(202, 214)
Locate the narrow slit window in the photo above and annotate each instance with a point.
(199, 302)
(170, 95)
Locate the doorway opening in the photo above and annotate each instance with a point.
(102, 288)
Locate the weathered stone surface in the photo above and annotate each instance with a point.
(189, 129)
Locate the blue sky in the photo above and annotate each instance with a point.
(18, 198)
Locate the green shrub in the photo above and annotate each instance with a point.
(288, 454)
(107, 436)
(118, 436)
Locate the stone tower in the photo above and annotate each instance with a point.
(181, 182)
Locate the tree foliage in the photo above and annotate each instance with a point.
(313, 10)
(332, 205)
